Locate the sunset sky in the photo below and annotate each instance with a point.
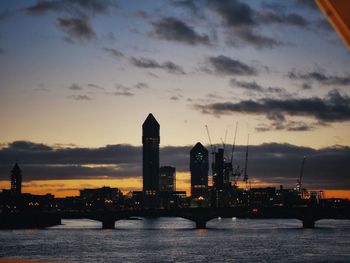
(79, 77)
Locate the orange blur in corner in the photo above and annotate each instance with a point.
(338, 14)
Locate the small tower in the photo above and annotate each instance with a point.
(16, 180)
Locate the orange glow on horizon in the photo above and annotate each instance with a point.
(63, 188)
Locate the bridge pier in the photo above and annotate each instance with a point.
(308, 223)
(108, 224)
(201, 224)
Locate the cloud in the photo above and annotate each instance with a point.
(76, 28)
(141, 85)
(311, 5)
(187, 4)
(251, 86)
(235, 13)
(82, 8)
(75, 87)
(248, 35)
(169, 66)
(284, 125)
(2, 51)
(123, 91)
(77, 14)
(227, 66)
(42, 7)
(272, 163)
(173, 29)
(321, 78)
(255, 87)
(80, 97)
(114, 52)
(242, 24)
(333, 108)
(292, 19)
(95, 86)
(174, 98)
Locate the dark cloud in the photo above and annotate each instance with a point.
(76, 28)
(306, 86)
(173, 29)
(123, 91)
(187, 4)
(141, 85)
(242, 23)
(77, 14)
(324, 25)
(247, 35)
(309, 4)
(333, 108)
(82, 8)
(114, 52)
(169, 66)
(272, 163)
(253, 86)
(75, 87)
(174, 98)
(284, 125)
(234, 13)
(292, 19)
(321, 77)
(228, 66)
(42, 7)
(95, 86)
(80, 97)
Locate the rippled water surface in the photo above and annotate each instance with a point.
(176, 240)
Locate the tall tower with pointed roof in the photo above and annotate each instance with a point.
(16, 179)
(150, 142)
(199, 167)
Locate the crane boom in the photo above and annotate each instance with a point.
(211, 145)
(299, 183)
(234, 143)
(245, 179)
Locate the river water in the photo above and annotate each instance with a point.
(176, 240)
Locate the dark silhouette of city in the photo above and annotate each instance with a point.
(160, 198)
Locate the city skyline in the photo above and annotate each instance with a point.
(78, 78)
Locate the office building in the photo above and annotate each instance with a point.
(167, 178)
(199, 167)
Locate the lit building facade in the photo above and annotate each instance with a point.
(167, 178)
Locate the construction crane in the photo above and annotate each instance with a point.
(234, 143)
(245, 178)
(299, 181)
(211, 145)
(212, 152)
(235, 172)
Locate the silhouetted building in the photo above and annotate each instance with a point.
(167, 178)
(102, 197)
(199, 167)
(16, 180)
(218, 170)
(150, 142)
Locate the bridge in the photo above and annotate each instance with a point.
(200, 216)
